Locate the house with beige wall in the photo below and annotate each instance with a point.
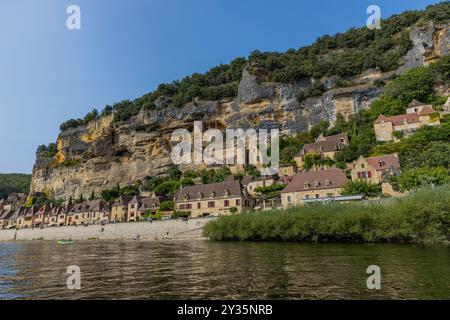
(377, 170)
(119, 209)
(138, 206)
(417, 116)
(251, 184)
(216, 199)
(26, 218)
(373, 169)
(5, 216)
(286, 170)
(309, 185)
(89, 212)
(326, 147)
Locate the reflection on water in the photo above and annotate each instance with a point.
(210, 270)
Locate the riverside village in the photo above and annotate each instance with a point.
(311, 177)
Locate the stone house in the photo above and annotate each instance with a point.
(216, 199)
(5, 216)
(377, 170)
(373, 169)
(326, 147)
(319, 184)
(14, 218)
(26, 219)
(417, 116)
(138, 206)
(89, 212)
(286, 170)
(41, 215)
(251, 184)
(57, 216)
(119, 209)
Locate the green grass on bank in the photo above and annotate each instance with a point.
(421, 217)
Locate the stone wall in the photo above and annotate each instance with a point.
(173, 229)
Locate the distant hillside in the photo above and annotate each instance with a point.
(14, 182)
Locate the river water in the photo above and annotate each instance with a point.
(212, 270)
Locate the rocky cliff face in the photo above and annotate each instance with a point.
(104, 154)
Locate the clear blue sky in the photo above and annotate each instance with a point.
(125, 48)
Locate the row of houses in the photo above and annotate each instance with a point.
(216, 199)
(125, 209)
(320, 183)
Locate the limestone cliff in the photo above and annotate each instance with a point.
(103, 154)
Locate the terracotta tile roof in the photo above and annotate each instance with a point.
(427, 110)
(316, 180)
(384, 162)
(233, 187)
(400, 119)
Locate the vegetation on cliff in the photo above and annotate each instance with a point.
(422, 217)
(343, 55)
(14, 182)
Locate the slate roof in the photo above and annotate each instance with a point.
(233, 187)
(316, 180)
(325, 144)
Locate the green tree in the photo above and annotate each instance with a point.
(361, 187)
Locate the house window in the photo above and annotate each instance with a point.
(238, 202)
(317, 195)
(306, 196)
(362, 166)
(289, 199)
(369, 174)
(189, 206)
(211, 204)
(306, 186)
(132, 206)
(199, 205)
(226, 203)
(182, 207)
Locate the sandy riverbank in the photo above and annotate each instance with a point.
(160, 230)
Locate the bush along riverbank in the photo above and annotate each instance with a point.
(421, 217)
